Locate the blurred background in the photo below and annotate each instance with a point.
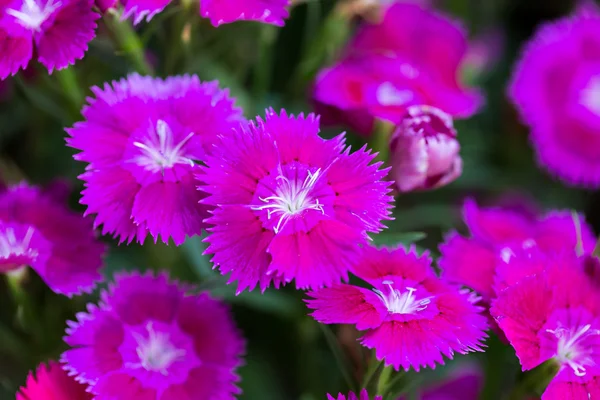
(288, 352)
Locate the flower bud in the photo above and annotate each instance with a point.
(424, 150)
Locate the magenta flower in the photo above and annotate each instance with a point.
(462, 383)
(226, 11)
(148, 340)
(555, 314)
(424, 150)
(556, 89)
(351, 396)
(138, 10)
(289, 204)
(411, 318)
(39, 231)
(52, 382)
(60, 30)
(387, 70)
(497, 234)
(142, 138)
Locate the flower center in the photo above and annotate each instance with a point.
(402, 303)
(590, 95)
(570, 349)
(390, 95)
(31, 15)
(156, 352)
(291, 198)
(10, 245)
(158, 152)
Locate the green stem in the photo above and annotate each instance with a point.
(340, 358)
(577, 223)
(70, 86)
(384, 378)
(535, 381)
(128, 41)
(374, 367)
(380, 140)
(263, 67)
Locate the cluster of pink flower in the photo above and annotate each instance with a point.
(174, 157)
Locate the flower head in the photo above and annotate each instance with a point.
(60, 31)
(289, 204)
(383, 72)
(148, 340)
(363, 395)
(411, 317)
(556, 88)
(52, 382)
(39, 231)
(464, 382)
(555, 314)
(226, 11)
(498, 234)
(424, 150)
(142, 138)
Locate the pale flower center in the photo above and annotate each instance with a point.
(291, 198)
(390, 95)
(569, 349)
(11, 246)
(159, 152)
(402, 303)
(156, 352)
(31, 15)
(590, 95)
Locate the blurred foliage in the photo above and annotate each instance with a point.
(288, 353)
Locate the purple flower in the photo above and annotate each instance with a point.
(411, 318)
(385, 70)
(57, 243)
(142, 138)
(138, 10)
(60, 30)
(148, 340)
(424, 150)
(226, 11)
(555, 314)
(289, 204)
(556, 88)
(363, 395)
(497, 234)
(462, 383)
(52, 382)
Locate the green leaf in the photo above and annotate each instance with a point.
(396, 238)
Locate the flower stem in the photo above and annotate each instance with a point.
(380, 139)
(577, 223)
(70, 86)
(340, 358)
(374, 368)
(128, 41)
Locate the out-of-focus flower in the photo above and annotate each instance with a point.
(463, 383)
(556, 89)
(51, 382)
(142, 138)
(497, 234)
(555, 314)
(58, 30)
(424, 150)
(289, 204)
(363, 395)
(411, 317)
(148, 340)
(60, 245)
(385, 69)
(138, 10)
(226, 11)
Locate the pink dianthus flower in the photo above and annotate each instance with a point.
(142, 138)
(59, 244)
(497, 234)
(148, 340)
(411, 57)
(51, 382)
(363, 395)
(226, 11)
(411, 317)
(59, 31)
(556, 88)
(555, 314)
(290, 204)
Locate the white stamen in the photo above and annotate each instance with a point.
(402, 303)
(11, 246)
(569, 351)
(590, 95)
(31, 15)
(290, 199)
(156, 352)
(156, 157)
